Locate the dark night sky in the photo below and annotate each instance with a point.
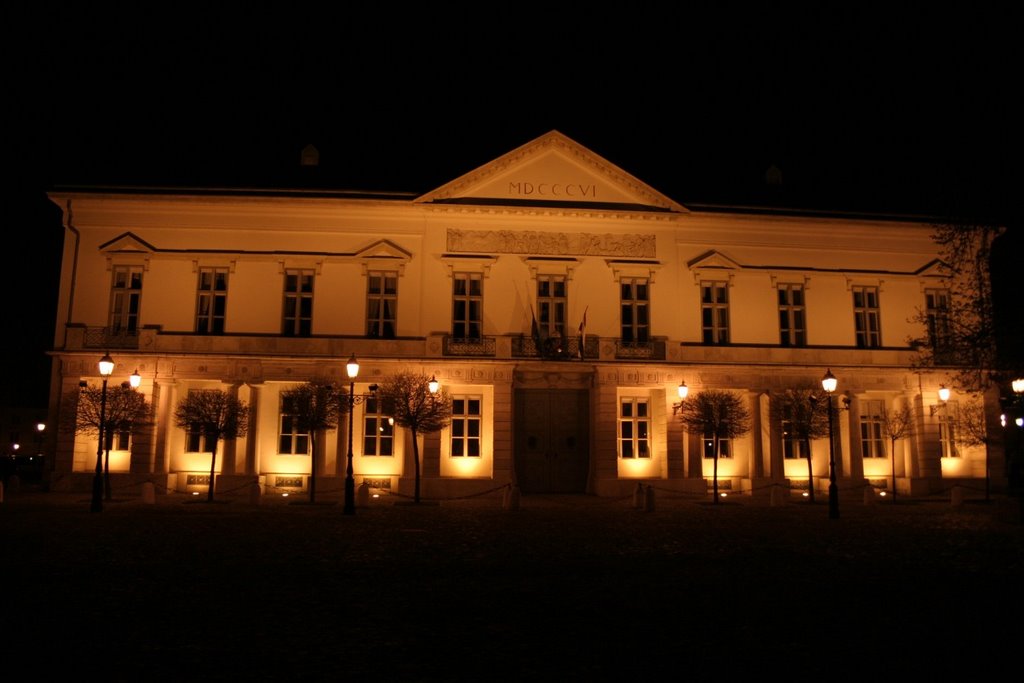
(862, 110)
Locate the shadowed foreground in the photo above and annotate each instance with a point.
(568, 588)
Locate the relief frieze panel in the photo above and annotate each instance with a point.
(550, 243)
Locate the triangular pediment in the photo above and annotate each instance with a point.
(383, 249)
(713, 259)
(127, 243)
(552, 170)
(934, 268)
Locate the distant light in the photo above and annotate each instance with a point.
(376, 495)
(881, 494)
(284, 495)
(40, 426)
(723, 494)
(805, 494)
(1002, 420)
(943, 393)
(195, 493)
(15, 446)
(1020, 421)
(1018, 385)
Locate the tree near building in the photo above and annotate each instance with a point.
(124, 410)
(803, 417)
(212, 414)
(959, 317)
(408, 398)
(716, 415)
(896, 424)
(312, 408)
(972, 430)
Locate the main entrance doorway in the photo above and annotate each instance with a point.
(552, 444)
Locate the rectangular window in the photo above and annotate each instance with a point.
(291, 439)
(467, 306)
(211, 300)
(937, 316)
(714, 305)
(552, 304)
(465, 426)
(792, 328)
(125, 299)
(947, 430)
(381, 304)
(634, 428)
(378, 430)
(122, 438)
(872, 441)
(865, 315)
(724, 447)
(793, 447)
(634, 304)
(298, 303)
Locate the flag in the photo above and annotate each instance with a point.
(583, 334)
(535, 330)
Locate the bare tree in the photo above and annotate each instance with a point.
(804, 416)
(897, 424)
(408, 399)
(314, 406)
(972, 430)
(124, 410)
(717, 415)
(960, 320)
(214, 414)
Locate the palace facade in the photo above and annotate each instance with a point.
(559, 300)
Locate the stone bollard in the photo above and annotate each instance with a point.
(649, 499)
(511, 498)
(957, 498)
(148, 493)
(363, 495)
(638, 497)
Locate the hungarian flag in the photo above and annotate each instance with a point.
(583, 333)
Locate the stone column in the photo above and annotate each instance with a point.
(251, 443)
(165, 397)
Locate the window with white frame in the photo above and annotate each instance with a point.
(792, 326)
(467, 306)
(937, 317)
(298, 302)
(125, 299)
(465, 426)
(724, 446)
(872, 429)
(714, 308)
(211, 300)
(634, 428)
(378, 429)
(292, 440)
(947, 430)
(634, 304)
(552, 304)
(793, 446)
(866, 317)
(381, 303)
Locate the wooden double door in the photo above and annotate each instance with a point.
(552, 440)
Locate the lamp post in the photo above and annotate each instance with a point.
(828, 383)
(106, 366)
(352, 368)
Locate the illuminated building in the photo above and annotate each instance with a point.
(630, 293)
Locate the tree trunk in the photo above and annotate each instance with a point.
(893, 458)
(213, 465)
(714, 479)
(416, 460)
(107, 493)
(810, 472)
(312, 466)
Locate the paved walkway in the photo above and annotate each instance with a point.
(563, 588)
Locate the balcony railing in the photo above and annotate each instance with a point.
(551, 348)
(455, 346)
(107, 338)
(635, 350)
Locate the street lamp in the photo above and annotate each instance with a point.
(829, 383)
(106, 366)
(352, 368)
(433, 385)
(135, 380)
